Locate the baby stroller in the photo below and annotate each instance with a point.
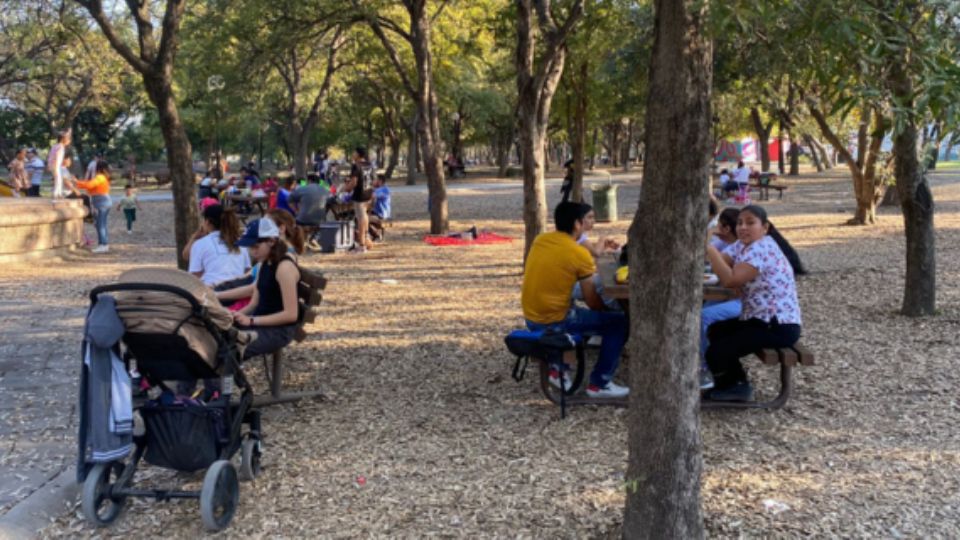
(165, 328)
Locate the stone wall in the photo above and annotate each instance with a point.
(34, 227)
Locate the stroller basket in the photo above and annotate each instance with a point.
(186, 437)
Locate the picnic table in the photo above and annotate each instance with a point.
(621, 291)
(261, 202)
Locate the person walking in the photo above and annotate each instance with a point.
(99, 190)
(55, 161)
(18, 173)
(129, 204)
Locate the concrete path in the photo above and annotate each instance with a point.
(39, 363)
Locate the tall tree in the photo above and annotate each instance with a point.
(538, 73)
(154, 62)
(663, 473)
(421, 89)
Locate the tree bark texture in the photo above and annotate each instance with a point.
(412, 157)
(919, 288)
(537, 80)
(814, 154)
(579, 141)
(663, 475)
(154, 61)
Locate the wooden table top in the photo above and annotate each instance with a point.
(621, 291)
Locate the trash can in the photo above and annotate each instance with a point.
(336, 235)
(605, 202)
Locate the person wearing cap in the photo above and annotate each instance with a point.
(34, 168)
(273, 309)
(55, 161)
(18, 173)
(212, 252)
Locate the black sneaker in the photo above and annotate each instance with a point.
(741, 391)
(473, 232)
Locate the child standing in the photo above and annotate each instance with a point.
(129, 205)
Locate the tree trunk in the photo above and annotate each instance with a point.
(593, 150)
(625, 159)
(579, 141)
(412, 151)
(537, 80)
(814, 154)
(663, 474)
(394, 157)
(763, 138)
(919, 288)
(781, 165)
(179, 162)
(794, 154)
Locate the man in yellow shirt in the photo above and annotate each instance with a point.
(554, 265)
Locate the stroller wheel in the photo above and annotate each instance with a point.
(99, 506)
(219, 496)
(249, 460)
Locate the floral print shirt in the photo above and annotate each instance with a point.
(773, 293)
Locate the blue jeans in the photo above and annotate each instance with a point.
(102, 204)
(715, 312)
(611, 326)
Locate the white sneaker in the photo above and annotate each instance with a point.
(554, 379)
(612, 390)
(129, 231)
(101, 249)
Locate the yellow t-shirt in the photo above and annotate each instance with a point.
(555, 263)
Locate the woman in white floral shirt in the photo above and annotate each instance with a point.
(770, 317)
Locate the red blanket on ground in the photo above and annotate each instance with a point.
(465, 240)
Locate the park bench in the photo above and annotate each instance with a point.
(548, 351)
(764, 183)
(787, 358)
(309, 294)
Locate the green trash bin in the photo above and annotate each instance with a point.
(605, 203)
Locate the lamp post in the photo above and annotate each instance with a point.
(215, 84)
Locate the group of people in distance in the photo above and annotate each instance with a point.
(743, 249)
(26, 175)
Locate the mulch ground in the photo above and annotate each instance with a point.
(424, 433)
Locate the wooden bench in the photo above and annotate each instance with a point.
(764, 183)
(310, 294)
(787, 359)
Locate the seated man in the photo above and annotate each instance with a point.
(283, 195)
(380, 209)
(554, 265)
(309, 201)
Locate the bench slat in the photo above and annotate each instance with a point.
(805, 355)
(788, 357)
(313, 279)
(769, 357)
(309, 316)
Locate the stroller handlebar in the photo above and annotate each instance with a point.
(198, 309)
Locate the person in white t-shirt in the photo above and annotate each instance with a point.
(741, 174)
(212, 252)
(55, 161)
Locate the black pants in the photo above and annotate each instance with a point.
(33, 191)
(733, 339)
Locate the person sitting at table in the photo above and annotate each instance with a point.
(309, 202)
(596, 248)
(554, 264)
(283, 195)
(723, 236)
(273, 309)
(211, 251)
(770, 316)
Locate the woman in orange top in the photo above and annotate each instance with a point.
(99, 190)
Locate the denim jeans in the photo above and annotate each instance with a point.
(611, 326)
(715, 312)
(102, 204)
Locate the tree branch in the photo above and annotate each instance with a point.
(95, 8)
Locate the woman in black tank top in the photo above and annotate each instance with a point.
(273, 308)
